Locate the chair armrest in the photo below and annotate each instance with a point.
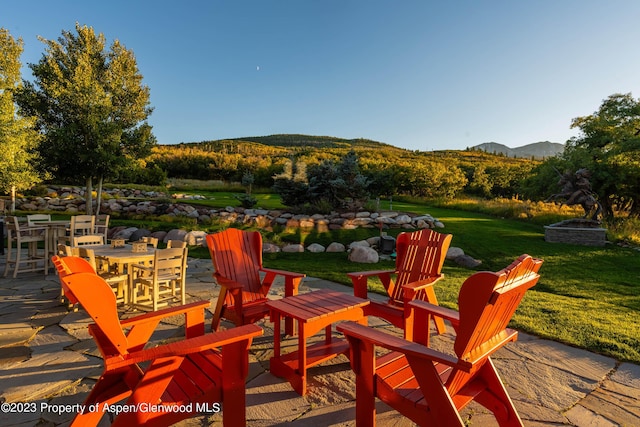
(422, 284)
(31, 230)
(188, 346)
(167, 312)
(370, 273)
(143, 326)
(227, 283)
(448, 314)
(359, 280)
(373, 336)
(283, 273)
(291, 280)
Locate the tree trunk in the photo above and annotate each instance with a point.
(13, 199)
(89, 197)
(99, 196)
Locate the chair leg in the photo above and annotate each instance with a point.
(217, 314)
(17, 260)
(364, 366)
(8, 258)
(439, 321)
(496, 399)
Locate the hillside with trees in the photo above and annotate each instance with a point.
(389, 170)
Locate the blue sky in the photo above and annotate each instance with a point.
(423, 75)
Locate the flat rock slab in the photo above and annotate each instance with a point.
(16, 333)
(44, 375)
(272, 400)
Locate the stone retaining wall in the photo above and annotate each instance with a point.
(140, 203)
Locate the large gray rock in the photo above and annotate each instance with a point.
(403, 219)
(175, 234)
(454, 252)
(363, 254)
(139, 234)
(315, 248)
(467, 262)
(270, 248)
(196, 238)
(336, 247)
(363, 243)
(293, 248)
(126, 233)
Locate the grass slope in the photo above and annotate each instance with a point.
(588, 297)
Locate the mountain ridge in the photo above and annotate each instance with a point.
(536, 150)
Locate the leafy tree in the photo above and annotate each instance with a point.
(609, 146)
(17, 134)
(479, 181)
(91, 106)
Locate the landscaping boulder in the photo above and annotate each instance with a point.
(175, 234)
(363, 254)
(403, 219)
(336, 247)
(196, 238)
(160, 235)
(454, 253)
(363, 243)
(293, 248)
(315, 248)
(467, 262)
(139, 234)
(126, 233)
(270, 248)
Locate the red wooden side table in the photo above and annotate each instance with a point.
(313, 311)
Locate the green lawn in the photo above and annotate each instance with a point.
(587, 296)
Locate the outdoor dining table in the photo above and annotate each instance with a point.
(313, 311)
(123, 257)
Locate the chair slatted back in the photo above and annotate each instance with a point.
(82, 225)
(176, 244)
(237, 255)
(150, 241)
(101, 225)
(36, 219)
(86, 254)
(88, 240)
(420, 255)
(169, 262)
(487, 302)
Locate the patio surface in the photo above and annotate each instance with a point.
(48, 357)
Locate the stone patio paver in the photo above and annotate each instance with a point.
(47, 356)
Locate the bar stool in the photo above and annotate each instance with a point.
(17, 235)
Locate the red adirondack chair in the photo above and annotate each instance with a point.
(430, 387)
(237, 260)
(419, 259)
(192, 374)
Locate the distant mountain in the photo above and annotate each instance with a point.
(538, 149)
